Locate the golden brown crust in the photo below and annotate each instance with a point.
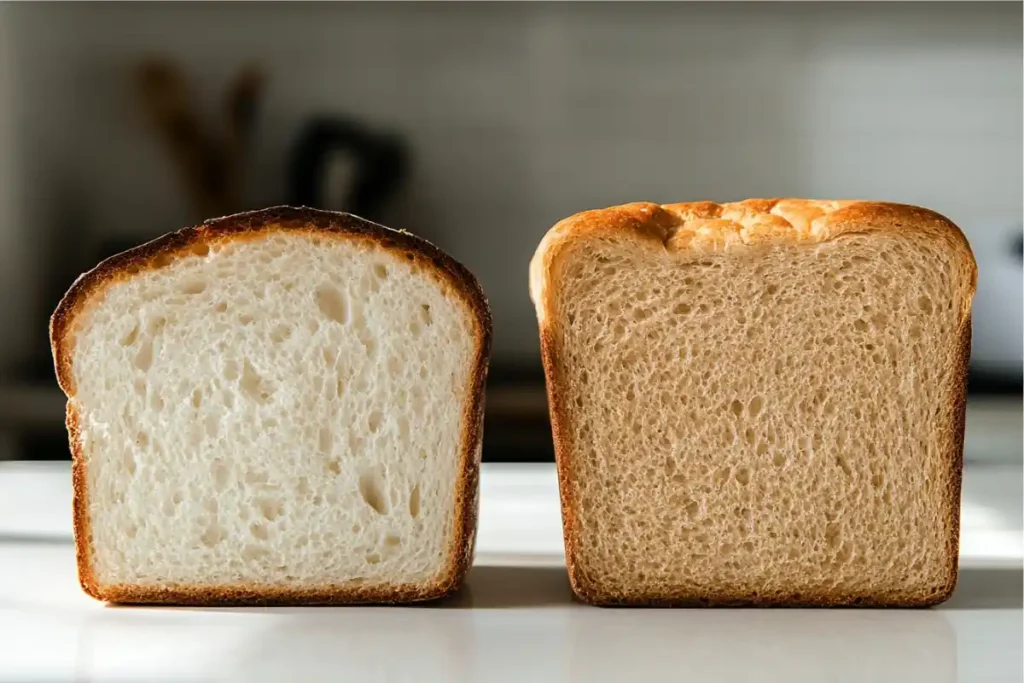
(163, 251)
(956, 449)
(708, 227)
(830, 599)
(704, 227)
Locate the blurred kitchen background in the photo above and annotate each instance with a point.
(477, 126)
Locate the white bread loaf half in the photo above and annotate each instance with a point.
(758, 403)
(282, 406)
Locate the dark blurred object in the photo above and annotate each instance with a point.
(516, 426)
(373, 167)
(987, 383)
(211, 165)
(997, 335)
(34, 432)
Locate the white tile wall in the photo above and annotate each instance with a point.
(519, 114)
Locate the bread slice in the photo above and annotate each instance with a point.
(282, 406)
(757, 403)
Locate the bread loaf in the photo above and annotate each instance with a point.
(757, 403)
(282, 406)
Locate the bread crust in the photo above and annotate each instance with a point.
(251, 225)
(708, 227)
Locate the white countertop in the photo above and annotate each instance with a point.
(515, 620)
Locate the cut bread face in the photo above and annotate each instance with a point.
(758, 403)
(282, 406)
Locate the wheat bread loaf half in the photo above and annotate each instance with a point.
(757, 403)
(282, 406)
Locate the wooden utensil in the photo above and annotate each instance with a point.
(211, 165)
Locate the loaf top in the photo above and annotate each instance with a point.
(164, 250)
(698, 228)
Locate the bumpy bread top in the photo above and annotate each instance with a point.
(196, 241)
(708, 227)
(699, 225)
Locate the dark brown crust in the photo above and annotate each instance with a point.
(959, 394)
(250, 225)
(752, 222)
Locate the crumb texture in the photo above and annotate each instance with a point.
(282, 410)
(771, 424)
